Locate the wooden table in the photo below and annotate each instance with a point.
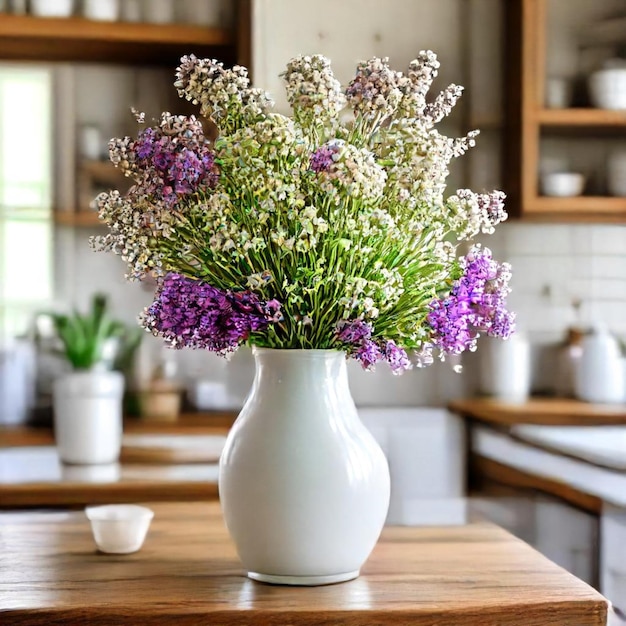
(187, 573)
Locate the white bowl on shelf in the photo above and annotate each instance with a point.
(607, 88)
(52, 8)
(563, 184)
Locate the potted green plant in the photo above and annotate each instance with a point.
(87, 401)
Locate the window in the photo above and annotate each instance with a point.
(26, 192)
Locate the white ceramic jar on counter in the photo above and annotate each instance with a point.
(505, 371)
(600, 374)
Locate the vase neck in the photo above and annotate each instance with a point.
(300, 366)
(302, 382)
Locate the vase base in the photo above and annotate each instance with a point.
(303, 581)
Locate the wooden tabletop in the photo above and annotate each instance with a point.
(187, 573)
(548, 411)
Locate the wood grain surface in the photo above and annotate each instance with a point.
(187, 573)
(27, 37)
(548, 411)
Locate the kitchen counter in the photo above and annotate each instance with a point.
(34, 476)
(209, 422)
(187, 573)
(547, 411)
(566, 448)
(159, 461)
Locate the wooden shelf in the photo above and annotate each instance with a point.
(585, 118)
(581, 207)
(85, 219)
(528, 122)
(79, 39)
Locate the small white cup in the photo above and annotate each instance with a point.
(119, 528)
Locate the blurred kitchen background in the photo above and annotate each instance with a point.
(64, 93)
(57, 118)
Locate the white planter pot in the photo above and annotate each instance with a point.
(303, 484)
(88, 416)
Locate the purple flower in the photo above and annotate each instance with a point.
(368, 354)
(191, 313)
(477, 303)
(322, 159)
(172, 160)
(356, 334)
(144, 146)
(353, 331)
(396, 357)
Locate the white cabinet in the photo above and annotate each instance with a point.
(613, 555)
(567, 536)
(425, 448)
(562, 533)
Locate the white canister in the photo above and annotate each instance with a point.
(101, 10)
(88, 416)
(600, 373)
(506, 371)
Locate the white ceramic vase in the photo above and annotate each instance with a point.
(304, 486)
(88, 416)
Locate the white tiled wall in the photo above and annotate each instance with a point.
(555, 264)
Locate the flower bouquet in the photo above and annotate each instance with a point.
(307, 237)
(329, 229)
